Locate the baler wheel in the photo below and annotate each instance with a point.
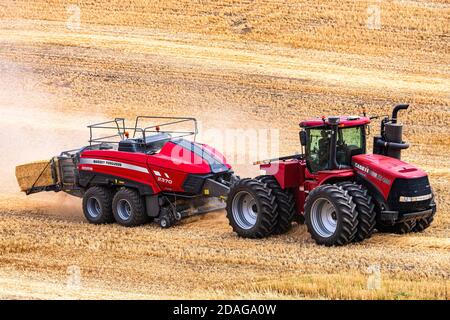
(252, 209)
(285, 201)
(97, 205)
(365, 207)
(129, 208)
(331, 215)
(164, 223)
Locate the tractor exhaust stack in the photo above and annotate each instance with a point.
(390, 142)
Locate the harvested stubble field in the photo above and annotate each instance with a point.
(231, 64)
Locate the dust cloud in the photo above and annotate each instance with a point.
(32, 132)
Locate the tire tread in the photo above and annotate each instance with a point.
(268, 212)
(346, 207)
(285, 203)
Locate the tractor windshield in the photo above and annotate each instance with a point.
(350, 142)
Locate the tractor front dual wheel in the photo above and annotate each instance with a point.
(398, 228)
(331, 215)
(252, 209)
(404, 227)
(424, 223)
(365, 207)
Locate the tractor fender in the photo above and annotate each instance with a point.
(334, 176)
(289, 174)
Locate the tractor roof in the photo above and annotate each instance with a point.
(344, 121)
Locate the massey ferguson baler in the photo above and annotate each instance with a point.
(341, 192)
(155, 175)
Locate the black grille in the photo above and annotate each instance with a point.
(409, 188)
(193, 183)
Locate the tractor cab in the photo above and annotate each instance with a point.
(330, 143)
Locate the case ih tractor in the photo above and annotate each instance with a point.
(341, 192)
(155, 175)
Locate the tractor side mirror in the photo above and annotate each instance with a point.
(303, 138)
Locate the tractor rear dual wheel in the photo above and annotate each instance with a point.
(285, 203)
(252, 209)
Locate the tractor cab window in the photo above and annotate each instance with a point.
(317, 149)
(350, 142)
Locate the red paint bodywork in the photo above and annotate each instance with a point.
(387, 167)
(137, 159)
(172, 161)
(294, 174)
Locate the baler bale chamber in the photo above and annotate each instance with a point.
(57, 174)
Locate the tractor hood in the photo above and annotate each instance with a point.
(381, 170)
(388, 167)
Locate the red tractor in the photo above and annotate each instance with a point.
(156, 174)
(341, 192)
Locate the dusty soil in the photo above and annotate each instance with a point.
(54, 81)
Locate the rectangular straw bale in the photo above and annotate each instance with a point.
(27, 174)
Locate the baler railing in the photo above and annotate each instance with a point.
(176, 120)
(107, 125)
(123, 131)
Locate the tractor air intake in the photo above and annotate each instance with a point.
(390, 142)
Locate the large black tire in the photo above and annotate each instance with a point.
(331, 201)
(365, 207)
(250, 195)
(422, 224)
(285, 203)
(129, 208)
(398, 228)
(97, 205)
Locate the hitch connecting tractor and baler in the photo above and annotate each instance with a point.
(338, 190)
